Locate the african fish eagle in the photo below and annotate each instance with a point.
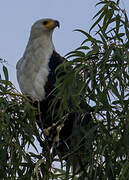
(36, 70)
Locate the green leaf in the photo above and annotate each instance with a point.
(87, 35)
(102, 2)
(126, 24)
(101, 10)
(109, 18)
(83, 48)
(5, 73)
(98, 20)
(117, 23)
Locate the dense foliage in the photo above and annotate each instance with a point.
(101, 68)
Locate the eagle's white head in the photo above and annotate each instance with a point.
(32, 68)
(43, 26)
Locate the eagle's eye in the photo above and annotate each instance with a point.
(45, 22)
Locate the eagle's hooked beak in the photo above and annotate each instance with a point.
(57, 24)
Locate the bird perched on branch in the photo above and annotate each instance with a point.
(36, 76)
(36, 69)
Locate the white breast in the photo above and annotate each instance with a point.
(33, 70)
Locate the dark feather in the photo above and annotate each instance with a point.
(55, 61)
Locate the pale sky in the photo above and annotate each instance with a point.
(17, 16)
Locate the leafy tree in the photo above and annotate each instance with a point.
(100, 68)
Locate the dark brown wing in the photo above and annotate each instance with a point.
(48, 118)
